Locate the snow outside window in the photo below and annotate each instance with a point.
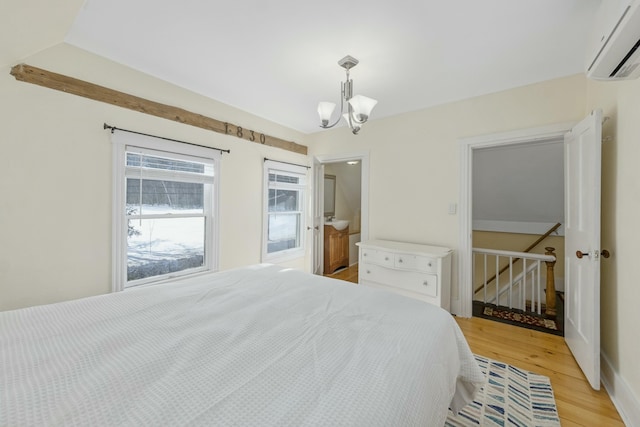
(285, 193)
(165, 219)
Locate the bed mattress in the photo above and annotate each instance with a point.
(255, 346)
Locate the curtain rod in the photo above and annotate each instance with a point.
(287, 163)
(112, 128)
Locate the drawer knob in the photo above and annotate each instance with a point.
(425, 283)
(368, 272)
(400, 260)
(429, 264)
(364, 254)
(386, 258)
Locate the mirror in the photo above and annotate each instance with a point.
(329, 195)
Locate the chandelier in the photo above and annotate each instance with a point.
(358, 107)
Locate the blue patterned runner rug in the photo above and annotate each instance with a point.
(510, 397)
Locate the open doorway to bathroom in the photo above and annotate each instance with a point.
(340, 213)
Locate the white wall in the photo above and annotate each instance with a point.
(620, 291)
(55, 176)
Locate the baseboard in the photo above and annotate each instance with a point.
(455, 308)
(621, 395)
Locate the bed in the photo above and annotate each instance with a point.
(254, 346)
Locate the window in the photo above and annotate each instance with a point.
(284, 201)
(164, 210)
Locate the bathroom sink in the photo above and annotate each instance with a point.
(338, 224)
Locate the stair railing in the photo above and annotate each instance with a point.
(529, 248)
(524, 285)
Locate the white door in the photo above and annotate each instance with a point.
(318, 213)
(582, 244)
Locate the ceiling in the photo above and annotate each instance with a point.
(276, 59)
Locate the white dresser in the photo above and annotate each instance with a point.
(417, 271)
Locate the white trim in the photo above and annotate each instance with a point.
(623, 399)
(117, 240)
(517, 227)
(463, 305)
(549, 133)
(363, 156)
(316, 203)
(120, 141)
(294, 253)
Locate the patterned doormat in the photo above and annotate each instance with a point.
(521, 318)
(510, 397)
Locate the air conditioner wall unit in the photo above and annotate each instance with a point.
(617, 52)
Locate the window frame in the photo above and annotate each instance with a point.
(122, 140)
(271, 166)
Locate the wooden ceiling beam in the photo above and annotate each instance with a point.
(51, 80)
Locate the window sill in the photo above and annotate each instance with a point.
(169, 279)
(283, 256)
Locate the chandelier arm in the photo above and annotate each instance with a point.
(354, 129)
(338, 119)
(342, 95)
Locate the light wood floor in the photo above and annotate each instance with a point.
(350, 274)
(546, 354)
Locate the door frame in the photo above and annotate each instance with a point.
(463, 305)
(363, 157)
(317, 209)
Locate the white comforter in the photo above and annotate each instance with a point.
(257, 346)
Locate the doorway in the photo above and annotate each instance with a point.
(583, 157)
(358, 215)
(463, 304)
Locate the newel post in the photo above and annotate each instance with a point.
(551, 285)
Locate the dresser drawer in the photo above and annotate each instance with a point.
(416, 262)
(420, 283)
(372, 256)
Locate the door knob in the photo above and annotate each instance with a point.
(605, 254)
